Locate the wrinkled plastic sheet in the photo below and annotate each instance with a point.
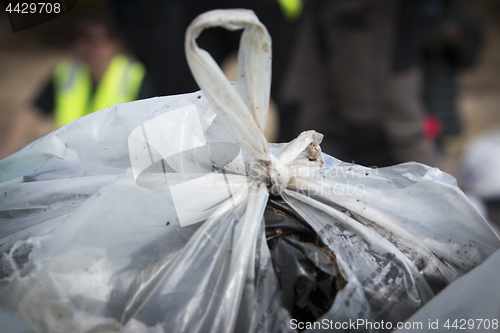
(104, 252)
(471, 303)
(102, 230)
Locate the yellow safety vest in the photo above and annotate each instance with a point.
(73, 87)
(292, 9)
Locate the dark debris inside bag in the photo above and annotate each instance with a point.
(306, 268)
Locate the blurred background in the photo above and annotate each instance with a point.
(386, 81)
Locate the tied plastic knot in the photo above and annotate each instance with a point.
(278, 175)
(297, 159)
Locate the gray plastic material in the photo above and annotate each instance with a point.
(103, 230)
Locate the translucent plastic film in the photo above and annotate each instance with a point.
(149, 216)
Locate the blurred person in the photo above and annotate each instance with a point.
(355, 77)
(97, 76)
(155, 32)
(453, 44)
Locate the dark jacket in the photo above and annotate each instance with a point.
(355, 78)
(445, 57)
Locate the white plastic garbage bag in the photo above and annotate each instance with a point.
(148, 216)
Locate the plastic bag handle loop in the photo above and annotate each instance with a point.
(243, 108)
